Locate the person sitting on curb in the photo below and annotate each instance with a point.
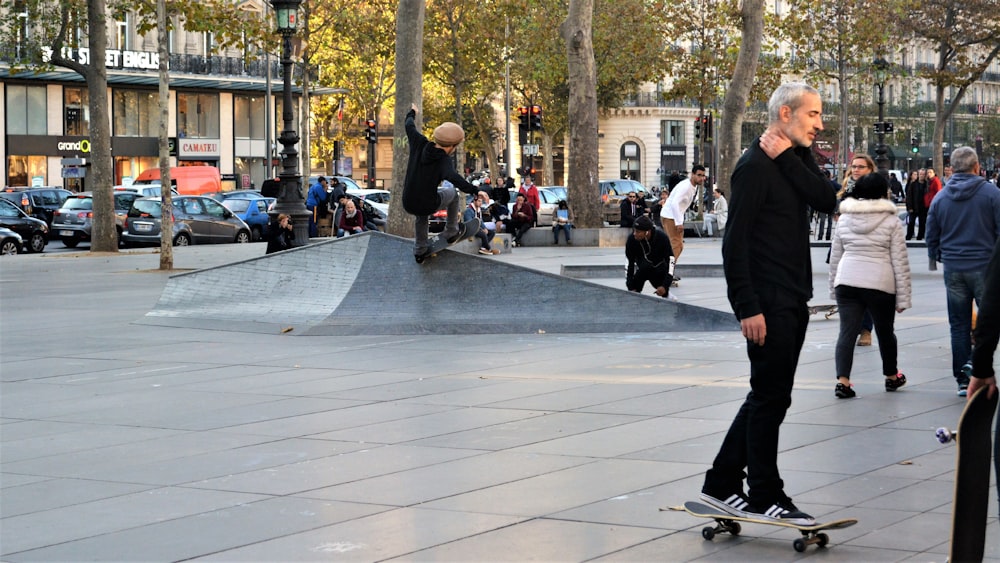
(485, 235)
(522, 218)
(650, 258)
(280, 234)
(562, 220)
(352, 221)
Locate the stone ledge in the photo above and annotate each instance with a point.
(612, 271)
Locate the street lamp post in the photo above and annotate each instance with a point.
(881, 67)
(290, 200)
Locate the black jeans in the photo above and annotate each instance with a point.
(852, 302)
(752, 440)
(657, 277)
(911, 222)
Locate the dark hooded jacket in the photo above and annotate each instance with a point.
(427, 167)
(963, 223)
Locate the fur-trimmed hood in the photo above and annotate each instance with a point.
(864, 215)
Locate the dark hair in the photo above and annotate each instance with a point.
(562, 204)
(870, 186)
(697, 168)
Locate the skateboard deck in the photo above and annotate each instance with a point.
(972, 476)
(466, 230)
(725, 522)
(830, 310)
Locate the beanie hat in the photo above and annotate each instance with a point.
(643, 224)
(870, 186)
(449, 134)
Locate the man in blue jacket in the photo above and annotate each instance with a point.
(429, 164)
(316, 204)
(963, 225)
(767, 262)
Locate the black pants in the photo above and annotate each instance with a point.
(911, 220)
(852, 304)
(518, 229)
(752, 440)
(657, 277)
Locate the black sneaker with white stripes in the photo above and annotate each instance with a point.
(735, 503)
(782, 510)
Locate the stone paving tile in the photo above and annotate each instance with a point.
(549, 446)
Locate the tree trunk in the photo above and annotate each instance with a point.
(163, 102)
(100, 178)
(735, 102)
(409, 90)
(584, 191)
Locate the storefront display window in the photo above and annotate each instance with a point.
(26, 110)
(135, 113)
(249, 117)
(76, 111)
(197, 116)
(22, 170)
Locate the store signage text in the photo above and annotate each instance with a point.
(198, 147)
(113, 58)
(79, 146)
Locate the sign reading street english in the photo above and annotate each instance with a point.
(113, 58)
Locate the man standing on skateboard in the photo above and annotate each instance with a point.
(428, 165)
(767, 263)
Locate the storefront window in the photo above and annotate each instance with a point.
(76, 111)
(127, 168)
(249, 119)
(22, 170)
(26, 110)
(672, 132)
(198, 115)
(252, 167)
(136, 113)
(630, 161)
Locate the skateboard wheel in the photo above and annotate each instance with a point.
(735, 528)
(799, 545)
(708, 533)
(823, 539)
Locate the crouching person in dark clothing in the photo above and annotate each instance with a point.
(280, 234)
(650, 258)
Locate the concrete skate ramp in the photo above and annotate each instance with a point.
(369, 284)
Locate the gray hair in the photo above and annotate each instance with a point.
(789, 94)
(964, 159)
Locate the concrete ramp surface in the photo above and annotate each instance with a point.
(369, 284)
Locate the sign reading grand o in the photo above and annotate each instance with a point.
(198, 148)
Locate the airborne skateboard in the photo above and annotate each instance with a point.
(466, 230)
(972, 476)
(725, 522)
(831, 310)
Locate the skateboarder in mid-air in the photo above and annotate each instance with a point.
(429, 164)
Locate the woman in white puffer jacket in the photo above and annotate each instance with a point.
(869, 268)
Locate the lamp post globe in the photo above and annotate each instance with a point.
(290, 197)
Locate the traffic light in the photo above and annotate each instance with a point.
(536, 118)
(524, 117)
(697, 128)
(371, 131)
(914, 144)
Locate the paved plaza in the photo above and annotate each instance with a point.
(127, 441)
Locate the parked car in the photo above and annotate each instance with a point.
(144, 190)
(10, 242)
(40, 203)
(74, 221)
(223, 196)
(33, 232)
(197, 220)
(614, 191)
(379, 199)
(253, 211)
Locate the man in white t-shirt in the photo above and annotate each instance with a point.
(672, 214)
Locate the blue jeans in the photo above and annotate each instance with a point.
(962, 288)
(564, 227)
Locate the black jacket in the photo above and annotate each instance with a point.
(426, 168)
(766, 243)
(644, 256)
(279, 239)
(915, 191)
(988, 322)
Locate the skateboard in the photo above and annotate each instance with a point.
(972, 476)
(725, 522)
(466, 230)
(831, 310)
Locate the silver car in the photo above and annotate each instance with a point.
(197, 220)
